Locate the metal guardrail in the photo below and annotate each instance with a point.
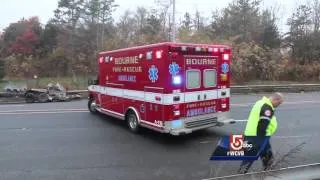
(272, 88)
(234, 89)
(11, 94)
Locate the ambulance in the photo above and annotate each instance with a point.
(174, 88)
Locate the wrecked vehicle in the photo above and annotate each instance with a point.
(15, 88)
(53, 93)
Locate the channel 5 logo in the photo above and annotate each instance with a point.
(238, 143)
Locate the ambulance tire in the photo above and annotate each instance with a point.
(132, 122)
(90, 106)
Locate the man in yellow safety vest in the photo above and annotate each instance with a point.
(262, 122)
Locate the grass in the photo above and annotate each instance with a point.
(2, 84)
(72, 83)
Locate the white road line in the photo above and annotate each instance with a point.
(302, 102)
(253, 173)
(241, 105)
(239, 120)
(41, 110)
(206, 141)
(285, 103)
(289, 137)
(44, 112)
(11, 105)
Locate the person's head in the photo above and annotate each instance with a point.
(276, 99)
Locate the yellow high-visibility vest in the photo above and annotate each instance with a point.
(254, 117)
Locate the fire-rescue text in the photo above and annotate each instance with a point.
(130, 60)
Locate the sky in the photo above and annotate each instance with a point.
(14, 10)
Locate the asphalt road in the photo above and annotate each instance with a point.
(63, 141)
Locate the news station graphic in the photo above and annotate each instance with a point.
(239, 147)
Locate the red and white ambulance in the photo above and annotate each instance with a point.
(169, 87)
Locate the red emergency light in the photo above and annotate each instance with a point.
(159, 54)
(226, 57)
(101, 59)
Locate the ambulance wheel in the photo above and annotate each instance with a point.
(92, 106)
(132, 121)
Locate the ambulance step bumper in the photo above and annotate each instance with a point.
(192, 126)
(200, 123)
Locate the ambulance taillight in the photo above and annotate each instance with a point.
(224, 78)
(176, 110)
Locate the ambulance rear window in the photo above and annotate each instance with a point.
(210, 78)
(193, 79)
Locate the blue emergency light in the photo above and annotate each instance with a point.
(177, 80)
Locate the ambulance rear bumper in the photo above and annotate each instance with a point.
(189, 125)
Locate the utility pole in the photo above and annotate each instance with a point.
(174, 21)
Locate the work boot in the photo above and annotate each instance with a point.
(244, 167)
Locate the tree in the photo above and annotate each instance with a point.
(239, 19)
(25, 43)
(141, 16)
(198, 21)
(2, 69)
(186, 23)
(22, 37)
(92, 19)
(316, 15)
(163, 8)
(1, 45)
(69, 12)
(49, 37)
(107, 7)
(301, 21)
(126, 31)
(68, 15)
(270, 34)
(152, 29)
(92, 11)
(300, 29)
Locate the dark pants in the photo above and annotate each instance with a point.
(266, 156)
